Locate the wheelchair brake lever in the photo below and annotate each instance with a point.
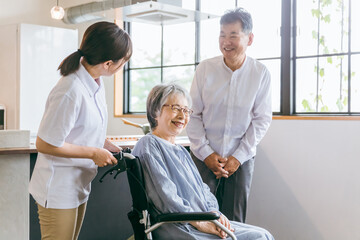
(119, 167)
(117, 174)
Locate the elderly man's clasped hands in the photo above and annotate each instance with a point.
(220, 166)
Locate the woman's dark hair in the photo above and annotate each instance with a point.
(238, 15)
(102, 41)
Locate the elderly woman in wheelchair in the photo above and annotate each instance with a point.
(172, 181)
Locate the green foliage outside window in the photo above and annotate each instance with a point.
(317, 104)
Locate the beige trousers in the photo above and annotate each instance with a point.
(64, 224)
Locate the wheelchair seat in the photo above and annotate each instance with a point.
(139, 215)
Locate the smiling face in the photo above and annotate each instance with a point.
(233, 42)
(171, 123)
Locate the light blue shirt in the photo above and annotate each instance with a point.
(173, 184)
(172, 180)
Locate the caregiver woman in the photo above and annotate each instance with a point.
(71, 139)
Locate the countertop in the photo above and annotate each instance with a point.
(122, 141)
(25, 150)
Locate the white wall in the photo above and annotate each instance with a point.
(32, 11)
(38, 12)
(306, 183)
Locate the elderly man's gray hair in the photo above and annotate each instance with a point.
(158, 97)
(238, 14)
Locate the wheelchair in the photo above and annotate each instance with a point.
(139, 215)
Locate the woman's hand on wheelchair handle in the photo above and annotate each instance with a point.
(103, 157)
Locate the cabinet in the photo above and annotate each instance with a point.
(30, 56)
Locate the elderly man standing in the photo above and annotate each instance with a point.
(231, 97)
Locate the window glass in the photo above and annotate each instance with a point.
(324, 88)
(355, 84)
(333, 88)
(306, 85)
(179, 44)
(217, 7)
(210, 29)
(146, 40)
(334, 27)
(182, 75)
(323, 51)
(322, 27)
(306, 44)
(209, 38)
(189, 4)
(322, 83)
(266, 27)
(355, 29)
(267, 41)
(141, 82)
(274, 68)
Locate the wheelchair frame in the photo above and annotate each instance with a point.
(139, 215)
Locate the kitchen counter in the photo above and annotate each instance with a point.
(28, 150)
(14, 201)
(122, 141)
(130, 141)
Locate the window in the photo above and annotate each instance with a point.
(164, 53)
(161, 54)
(312, 65)
(266, 31)
(267, 41)
(171, 52)
(326, 81)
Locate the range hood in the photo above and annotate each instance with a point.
(160, 12)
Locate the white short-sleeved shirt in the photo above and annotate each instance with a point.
(75, 113)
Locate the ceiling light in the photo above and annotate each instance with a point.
(57, 12)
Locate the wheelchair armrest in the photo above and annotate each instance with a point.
(187, 216)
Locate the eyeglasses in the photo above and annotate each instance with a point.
(177, 109)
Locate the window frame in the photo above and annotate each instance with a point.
(128, 68)
(288, 59)
(289, 66)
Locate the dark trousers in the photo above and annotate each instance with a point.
(232, 193)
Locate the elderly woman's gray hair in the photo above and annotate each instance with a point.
(158, 97)
(238, 15)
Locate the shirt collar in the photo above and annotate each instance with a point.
(163, 140)
(87, 80)
(242, 66)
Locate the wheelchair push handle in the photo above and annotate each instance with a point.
(121, 165)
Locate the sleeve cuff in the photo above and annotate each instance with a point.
(241, 157)
(204, 152)
(51, 140)
(211, 209)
